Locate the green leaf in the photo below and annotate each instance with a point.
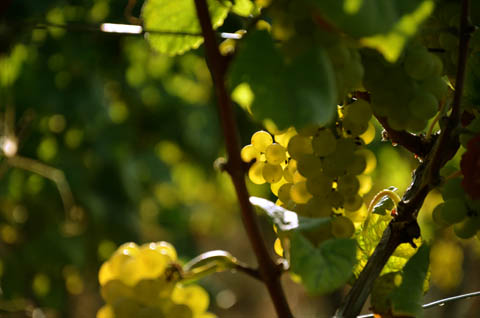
(386, 203)
(368, 236)
(297, 93)
(325, 268)
(178, 16)
(384, 25)
(287, 220)
(406, 299)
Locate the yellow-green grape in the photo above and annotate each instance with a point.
(342, 227)
(467, 228)
(150, 312)
(299, 193)
(285, 137)
(152, 263)
(318, 207)
(194, 296)
(290, 170)
(353, 202)
(284, 192)
(297, 177)
(436, 86)
(179, 311)
(419, 63)
(275, 154)
(115, 290)
(437, 215)
(105, 312)
(125, 268)
(249, 152)
(348, 185)
(453, 211)
(105, 273)
(354, 128)
(261, 140)
(369, 135)
(255, 173)
(126, 308)
(335, 199)
(324, 142)
(360, 111)
(299, 145)
(370, 161)
(272, 173)
(423, 106)
(357, 165)
(319, 185)
(309, 165)
(148, 291)
(275, 186)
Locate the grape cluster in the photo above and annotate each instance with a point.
(143, 281)
(408, 93)
(458, 210)
(318, 171)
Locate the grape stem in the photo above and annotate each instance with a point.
(385, 192)
(404, 227)
(269, 271)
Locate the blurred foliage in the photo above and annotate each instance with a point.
(135, 133)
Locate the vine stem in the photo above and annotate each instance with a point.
(404, 227)
(269, 271)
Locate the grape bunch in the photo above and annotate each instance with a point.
(458, 210)
(144, 282)
(318, 171)
(409, 92)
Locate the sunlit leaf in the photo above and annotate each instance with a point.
(178, 16)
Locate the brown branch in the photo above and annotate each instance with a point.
(269, 271)
(404, 228)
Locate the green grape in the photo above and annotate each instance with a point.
(105, 312)
(261, 140)
(125, 267)
(299, 145)
(309, 165)
(272, 173)
(152, 263)
(417, 125)
(358, 164)
(453, 211)
(126, 308)
(348, 185)
(342, 227)
(150, 312)
(353, 202)
(435, 86)
(319, 235)
(318, 207)
(423, 106)
(437, 215)
(115, 290)
(248, 153)
(194, 296)
(334, 165)
(360, 111)
(289, 170)
(437, 66)
(284, 192)
(419, 63)
(319, 185)
(148, 291)
(354, 128)
(324, 142)
(299, 193)
(275, 154)
(467, 228)
(255, 173)
(179, 311)
(452, 189)
(335, 199)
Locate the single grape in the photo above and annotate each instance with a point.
(289, 170)
(419, 63)
(261, 140)
(423, 106)
(299, 193)
(255, 173)
(353, 202)
(194, 296)
(319, 185)
(348, 185)
(324, 142)
(467, 228)
(248, 153)
(342, 227)
(452, 189)
(309, 165)
(284, 192)
(275, 154)
(299, 145)
(360, 111)
(272, 173)
(453, 211)
(335, 199)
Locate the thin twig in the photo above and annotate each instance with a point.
(440, 302)
(269, 271)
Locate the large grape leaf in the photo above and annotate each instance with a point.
(368, 236)
(384, 25)
(297, 93)
(178, 16)
(322, 269)
(406, 298)
(325, 268)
